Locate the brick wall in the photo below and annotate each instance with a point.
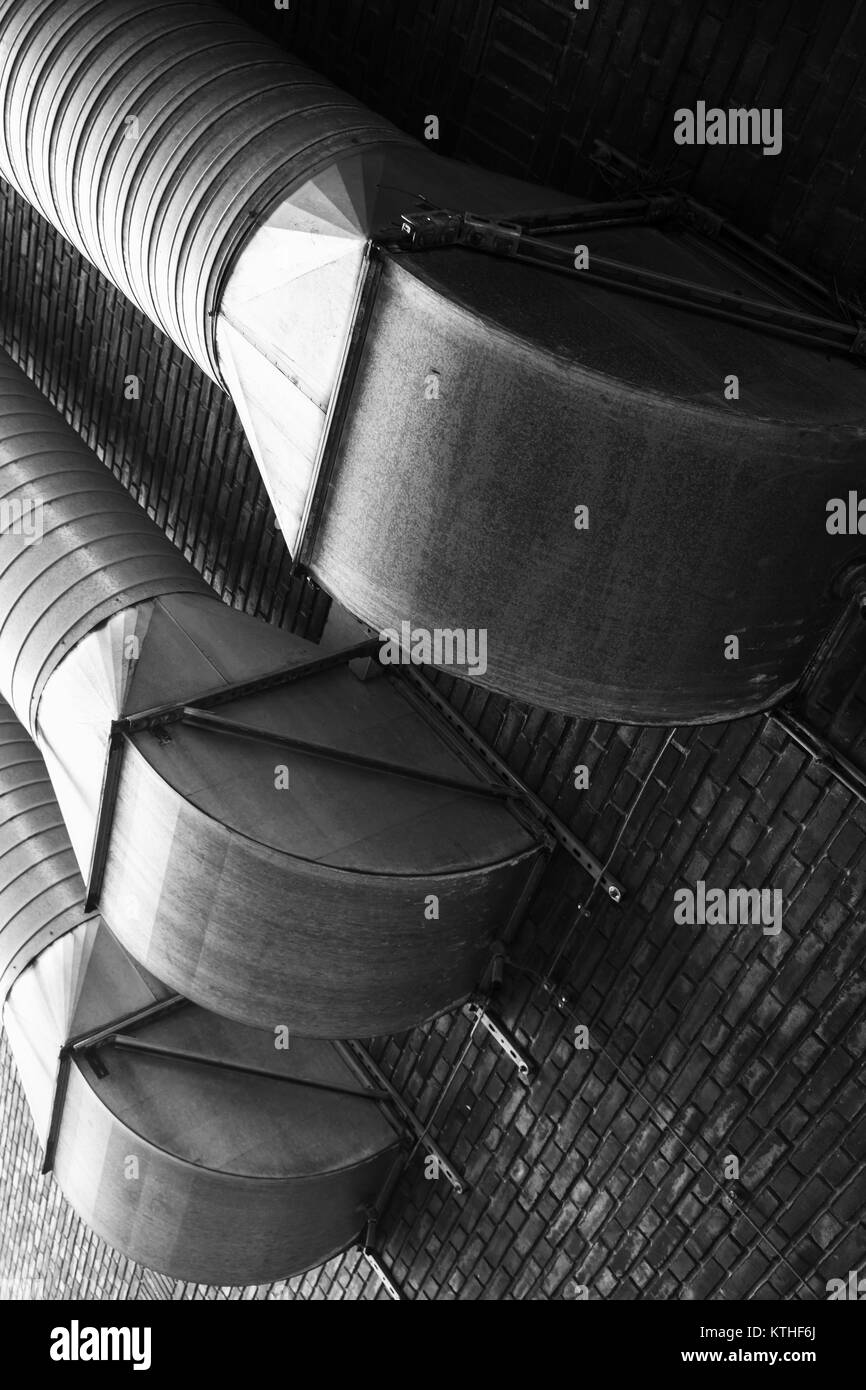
(708, 1041)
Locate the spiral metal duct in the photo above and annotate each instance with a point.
(41, 892)
(233, 195)
(224, 124)
(76, 548)
(315, 853)
(254, 1165)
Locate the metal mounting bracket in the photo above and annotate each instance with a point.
(477, 1011)
(374, 1260)
(82, 1043)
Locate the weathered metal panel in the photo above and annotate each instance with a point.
(271, 938)
(706, 517)
(193, 1223)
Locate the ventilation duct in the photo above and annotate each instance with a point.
(303, 848)
(252, 1165)
(427, 424)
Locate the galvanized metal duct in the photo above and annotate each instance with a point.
(75, 547)
(153, 133)
(427, 428)
(190, 1143)
(41, 892)
(639, 548)
(335, 866)
(162, 139)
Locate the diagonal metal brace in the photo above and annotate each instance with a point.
(174, 1054)
(364, 1067)
(521, 793)
(83, 1042)
(440, 228)
(750, 252)
(203, 719)
(174, 711)
(79, 1044)
(239, 690)
(592, 217)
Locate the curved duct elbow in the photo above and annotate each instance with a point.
(429, 425)
(190, 1143)
(313, 853)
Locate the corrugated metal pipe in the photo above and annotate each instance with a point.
(306, 849)
(453, 442)
(195, 1145)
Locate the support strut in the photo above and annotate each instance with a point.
(81, 1043)
(424, 231)
(521, 792)
(201, 719)
(364, 1067)
(122, 1043)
